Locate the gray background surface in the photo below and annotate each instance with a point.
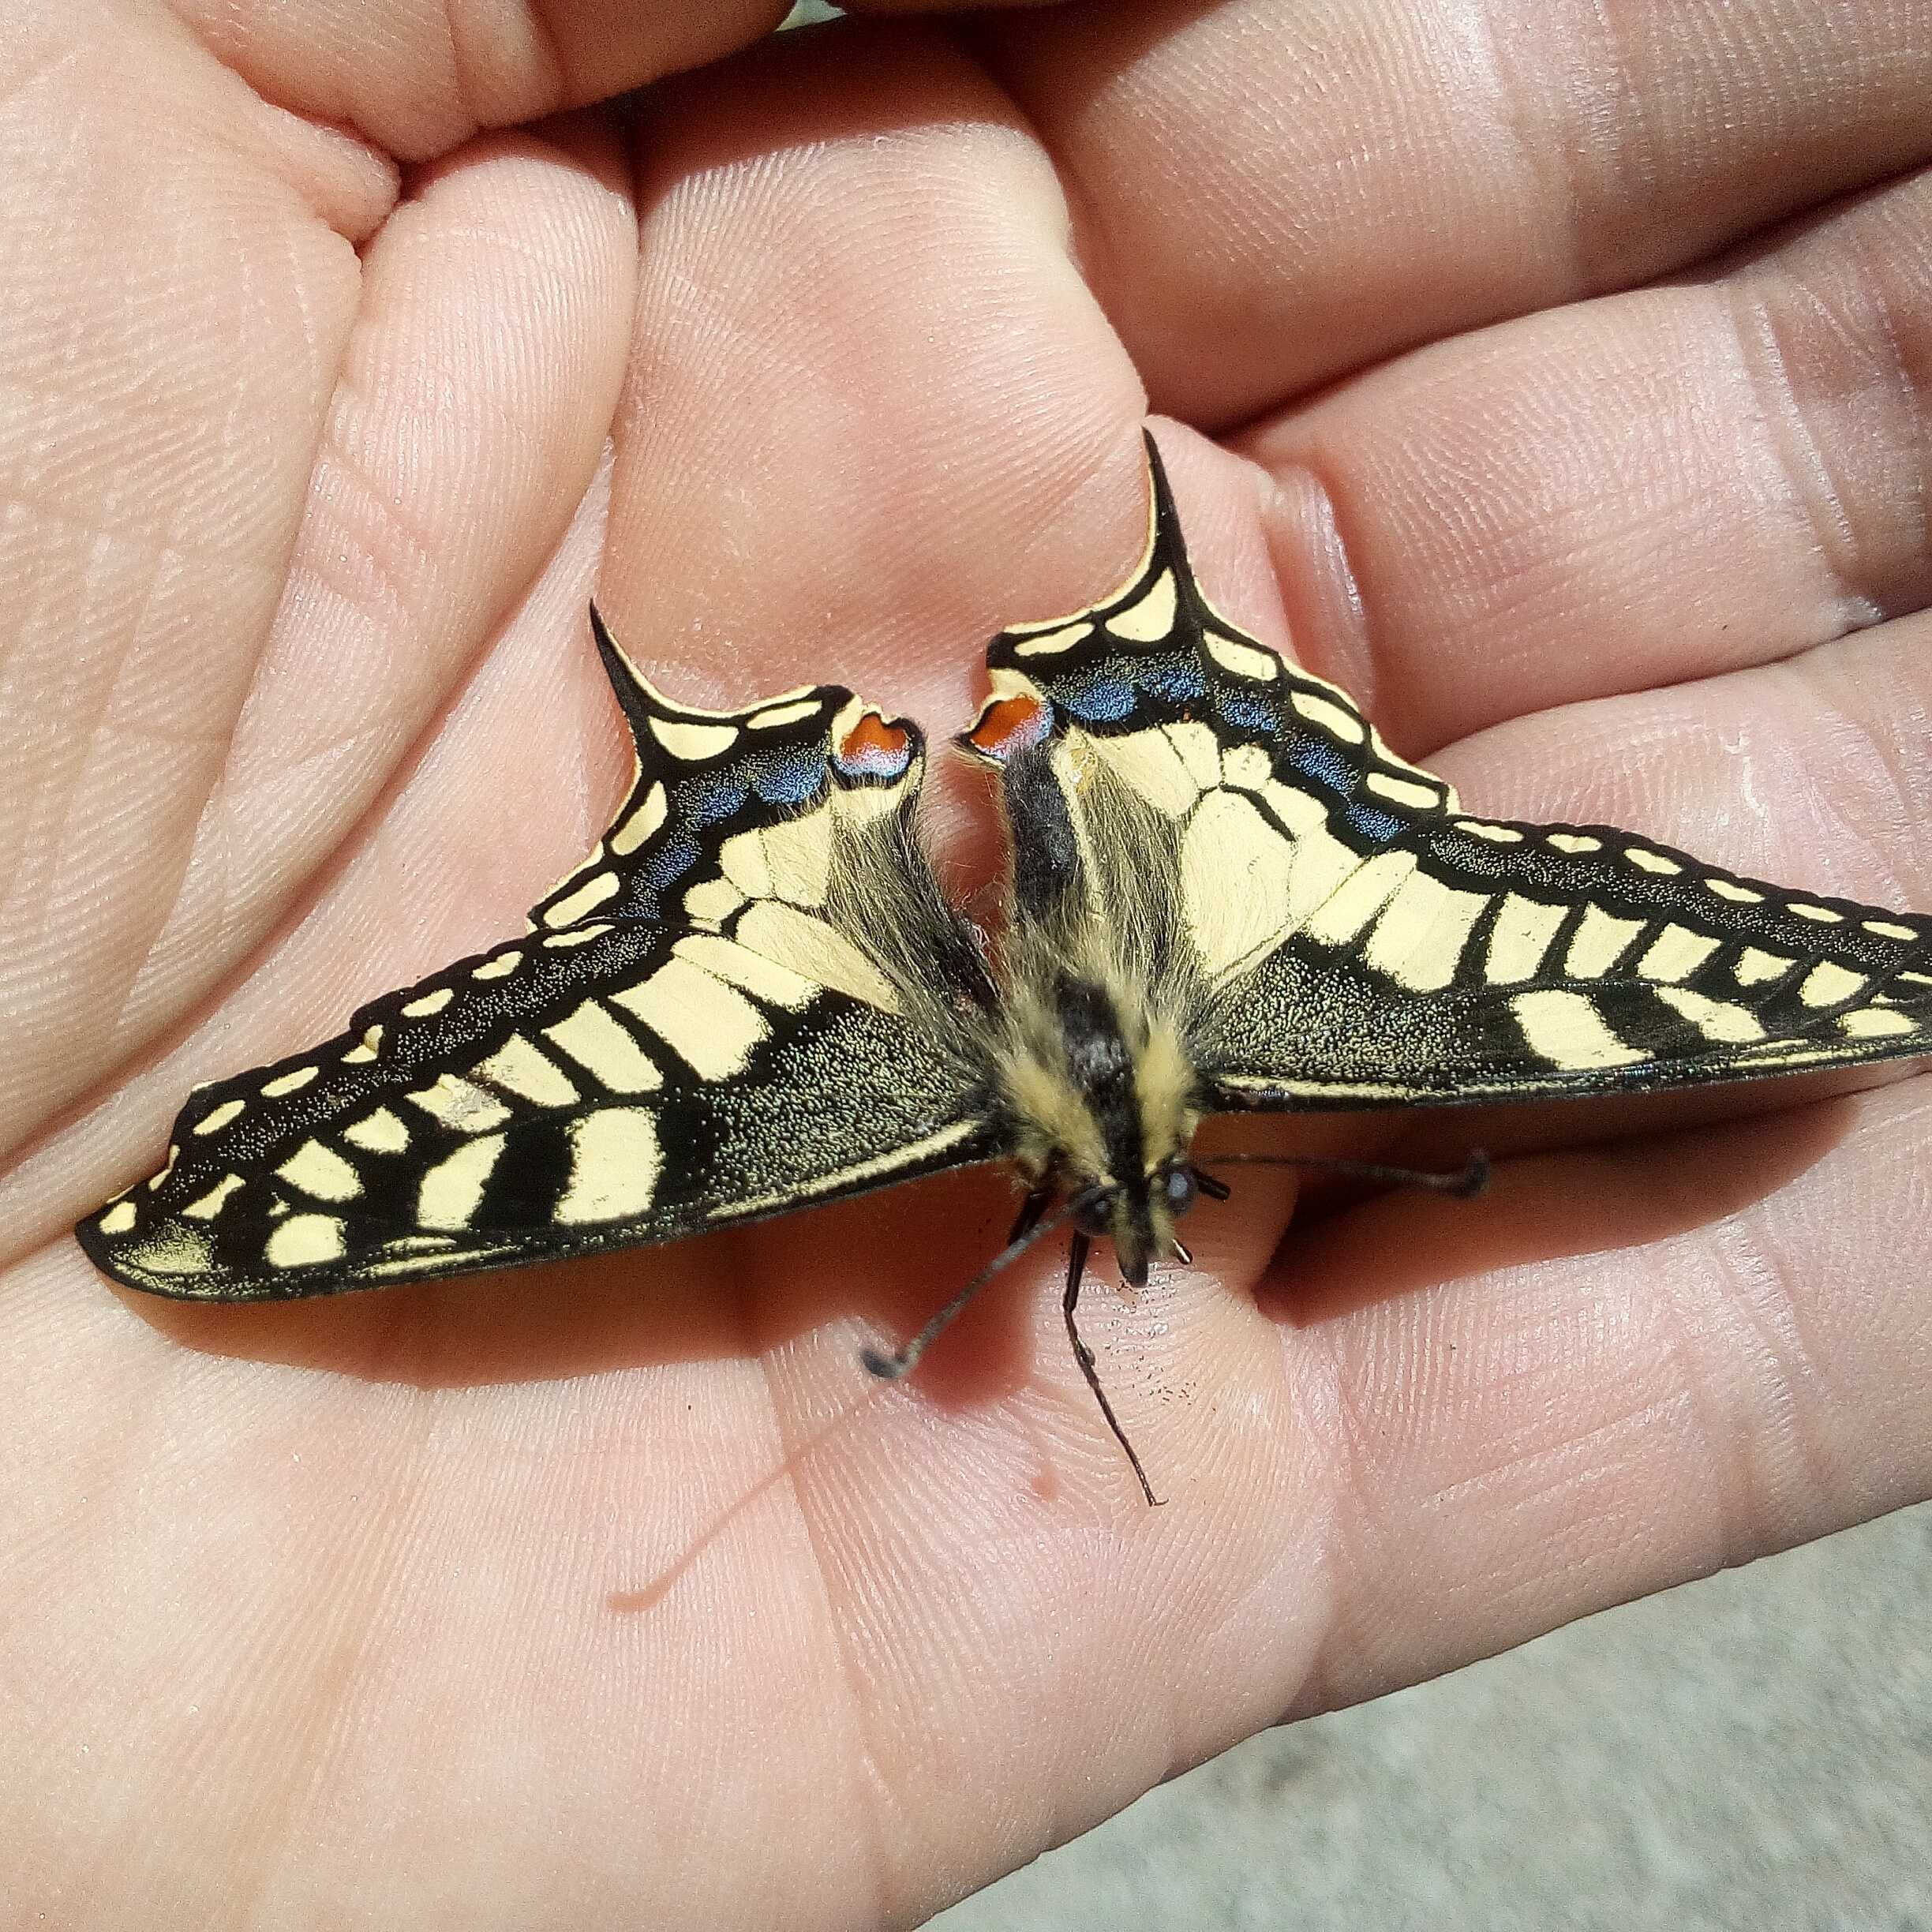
(1753, 1751)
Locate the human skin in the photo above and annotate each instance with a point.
(1555, 377)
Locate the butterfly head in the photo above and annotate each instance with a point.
(1138, 1217)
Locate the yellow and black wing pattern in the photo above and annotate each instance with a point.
(752, 996)
(1340, 934)
(698, 1029)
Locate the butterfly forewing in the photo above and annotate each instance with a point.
(691, 1034)
(1352, 938)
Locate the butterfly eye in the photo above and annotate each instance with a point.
(1094, 1213)
(1180, 1190)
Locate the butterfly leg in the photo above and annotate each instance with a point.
(1032, 1209)
(1026, 1230)
(1076, 1267)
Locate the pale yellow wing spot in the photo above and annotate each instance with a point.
(1339, 721)
(710, 1026)
(1368, 888)
(305, 1241)
(519, 1067)
(594, 891)
(365, 1050)
(1247, 660)
(1150, 617)
(1600, 941)
(378, 1132)
(615, 1163)
(1676, 953)
(449, 1193)
(1052, 643)
(1567, 1030)
(1420, 935)
(459, 1103)
(602, 1045)
(643, 820)
(783, 714)
(321, 1171)
(206, 1207)
(1754, 966)
(1407, 792)
(713, 901)
(1524, 931)
(1874, 1022)
(1829, 985)
(692, 741)
(1724, 1021)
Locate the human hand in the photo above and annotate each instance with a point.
(616, 1592)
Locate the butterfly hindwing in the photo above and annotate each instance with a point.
(1342, 935)
(695, 1032)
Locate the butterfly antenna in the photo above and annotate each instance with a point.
(1076, 1267)
(1469, 1179)
(1029, 1229)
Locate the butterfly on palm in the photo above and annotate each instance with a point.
(1226, 894)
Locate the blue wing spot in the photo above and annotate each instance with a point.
(705, 801)
(1251, 710)
(672, 859)
(1370, 823)
(1315, 758)
(790, 777)
(1177, 679)
(1097, 695)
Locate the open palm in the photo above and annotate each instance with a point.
(1557, 378)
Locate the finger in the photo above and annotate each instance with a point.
(448, 865)
(474, 393)
(180, 281)
(1268, 196)
(1803, 771)
(1631, 492)
(436, 74)
(804, 487)
(1645, 1392)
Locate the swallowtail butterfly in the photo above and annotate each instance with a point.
(1226, 893)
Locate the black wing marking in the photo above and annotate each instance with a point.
(1352, 938)
(698, 1030)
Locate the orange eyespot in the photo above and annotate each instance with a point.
(873, 748)
(1008, 725)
